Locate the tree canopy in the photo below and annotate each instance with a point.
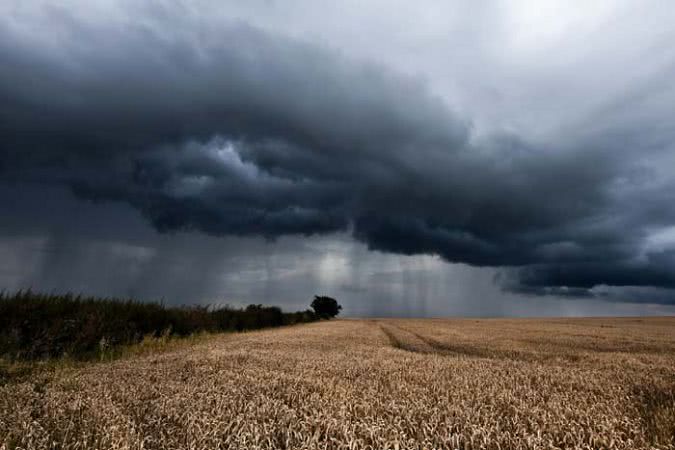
(325, 307)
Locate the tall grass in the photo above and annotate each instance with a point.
(35, 326)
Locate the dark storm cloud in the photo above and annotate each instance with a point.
(231, 129)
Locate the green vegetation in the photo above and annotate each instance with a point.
(325, 307)
(39, 326)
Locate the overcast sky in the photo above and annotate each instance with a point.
(409, 158)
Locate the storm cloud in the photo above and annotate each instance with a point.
(222, 126)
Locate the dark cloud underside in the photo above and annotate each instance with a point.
(228, 129)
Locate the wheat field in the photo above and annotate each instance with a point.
(367, 384)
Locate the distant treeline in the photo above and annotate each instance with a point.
(36, 325)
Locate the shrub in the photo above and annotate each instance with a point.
(34, 326)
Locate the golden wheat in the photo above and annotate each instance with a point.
(368, 384)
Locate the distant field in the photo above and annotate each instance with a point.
(368, 384)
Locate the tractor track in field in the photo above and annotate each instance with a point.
(412, 341)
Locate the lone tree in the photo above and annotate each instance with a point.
(325, 307)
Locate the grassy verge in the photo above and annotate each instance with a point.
(14, 370)
(35, 327)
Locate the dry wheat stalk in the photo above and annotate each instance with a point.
(491, 384)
